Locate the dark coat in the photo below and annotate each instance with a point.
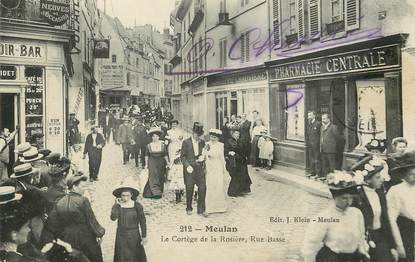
(140, 135)
(244, 130)
(89, 143)
(313, 134)
(363, 204)
(329, 139)
(188, 157)
(125, 134)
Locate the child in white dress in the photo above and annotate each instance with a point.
(266, 151)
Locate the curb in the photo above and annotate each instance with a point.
(283, 175)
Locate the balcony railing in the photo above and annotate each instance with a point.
(29, 10)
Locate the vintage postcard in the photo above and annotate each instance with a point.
(207, 130)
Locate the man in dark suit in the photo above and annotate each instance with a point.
(313, 143)
(245, 131)
(193, 169)
(141, 139)
(108, 124)
(329, 139)
(93, 147)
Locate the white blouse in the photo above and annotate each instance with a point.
(401, 201)
(374, 202)
(256, 131)
(343, 233)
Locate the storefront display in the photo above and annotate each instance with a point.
(295, 112)
(34, 102)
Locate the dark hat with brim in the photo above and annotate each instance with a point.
(23, 170)
(74, 179)
(198, 128)
(125, 187)
(403, 162)
(367, 167)
(376, 144)
(174, 121)
(53, 158)
(56, 171)
(45, 152)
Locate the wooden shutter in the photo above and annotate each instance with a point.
(352, 14)
(276, 23)
(300, 20)
(247, 51)
(314, 18)
(225, 54)
(243, 47)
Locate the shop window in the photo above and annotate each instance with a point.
(34, 104)
(371, 107)
(295, 112)
(244, 3)
(337, 10)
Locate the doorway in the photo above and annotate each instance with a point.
(8, 119)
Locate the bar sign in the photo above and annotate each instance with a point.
(7, 72)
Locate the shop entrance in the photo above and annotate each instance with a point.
(328, 97)
(8, 119)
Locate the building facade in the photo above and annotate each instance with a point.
(36, 67)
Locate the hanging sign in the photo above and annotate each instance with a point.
(55, 12)
(102, 48)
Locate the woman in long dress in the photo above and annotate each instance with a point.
(130, 216)
(157, 159)
(215, 173)
(237, 166)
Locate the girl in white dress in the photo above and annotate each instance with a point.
(216, 174)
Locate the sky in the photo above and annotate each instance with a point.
(155, 12)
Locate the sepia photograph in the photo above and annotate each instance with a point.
(207, 130)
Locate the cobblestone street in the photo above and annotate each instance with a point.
(250, 215)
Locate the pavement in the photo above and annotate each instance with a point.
(257, 222)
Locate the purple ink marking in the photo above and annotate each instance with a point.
(204, 44)
(297, 97)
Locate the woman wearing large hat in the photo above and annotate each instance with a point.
(157, 159)
(372, 203)
(401, 206)
(130, 217)
(338, 233)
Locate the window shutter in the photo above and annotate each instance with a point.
(352, 14)
(224, 52)
(243, 47)
(300, 20)
(276, 23)
(220, 54)
(247, 47)
(314, 14)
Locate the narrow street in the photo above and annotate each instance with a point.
(250, 215)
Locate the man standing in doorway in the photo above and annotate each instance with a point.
(93, 147)
(5, 138)
(313, 144)
(329, 139)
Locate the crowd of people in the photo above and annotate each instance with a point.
(218, 167)
(372, 217)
